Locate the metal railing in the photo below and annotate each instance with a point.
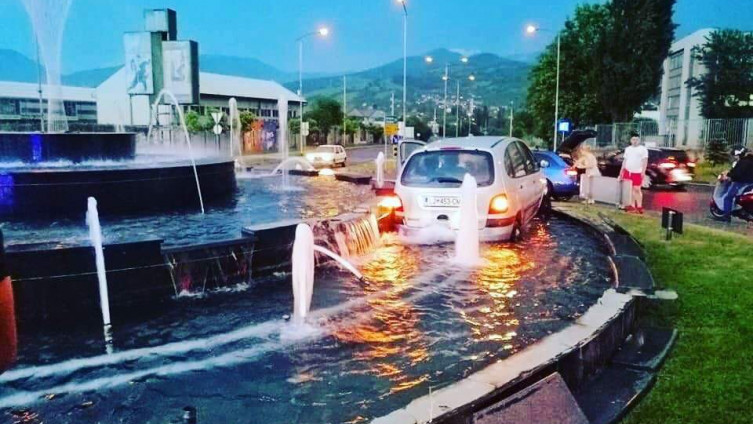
(687, 134)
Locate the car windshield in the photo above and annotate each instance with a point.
(447, 168)
(677, 155)
(325, 149)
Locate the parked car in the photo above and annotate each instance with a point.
(328, 155)
(510, 184)
(666, 166)
(561, 176)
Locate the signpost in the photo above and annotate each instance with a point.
(217, 129)
(671, 220)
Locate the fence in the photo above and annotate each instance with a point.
(688, 134)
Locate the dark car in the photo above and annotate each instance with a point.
(666, 166)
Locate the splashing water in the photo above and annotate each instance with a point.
(467, 241)
(236, 128)
(48, 19)
(303, 272)
(162, 94)
(95, 235)
(379, 170)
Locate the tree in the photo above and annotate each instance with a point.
(294, 126)
(326, 112)
(636, 40)
(726, 88)
(247, 119)
(611, 63)
(421, 128)
(192, 122)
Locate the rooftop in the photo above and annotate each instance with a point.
(26, 90)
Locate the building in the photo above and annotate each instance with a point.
(19, 106)
(116, 107)
(679, 111)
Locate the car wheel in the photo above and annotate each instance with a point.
(517, 231)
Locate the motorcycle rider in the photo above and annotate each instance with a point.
(738, 178)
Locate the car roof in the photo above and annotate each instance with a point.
(483, 142)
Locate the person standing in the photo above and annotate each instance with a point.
(633, 169)
(587, 166)
(738, 179)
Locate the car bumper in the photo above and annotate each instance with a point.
(445, 234)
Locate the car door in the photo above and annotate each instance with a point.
(516, 171)
(341, 154)
(533, 185)
(405, 148)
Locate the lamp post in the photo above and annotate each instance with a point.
(532, 29)
(446, 79)
(322, 32)
(405, 61)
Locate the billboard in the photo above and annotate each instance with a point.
(181, 70)
(138, 63)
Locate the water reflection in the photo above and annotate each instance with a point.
(392, 341)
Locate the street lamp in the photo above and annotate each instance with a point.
(531, 30)
(445, 78)
(322, 32)
(405, 60)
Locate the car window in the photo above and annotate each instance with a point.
(447, 168)
(532, 166)
(513, 158)
(326, 149)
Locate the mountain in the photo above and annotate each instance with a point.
(89, 78)
(243, 67)
(497, 81)
(16, 67)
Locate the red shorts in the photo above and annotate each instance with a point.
(635, 177)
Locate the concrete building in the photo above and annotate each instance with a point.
(679, 111)
(19, 105)
(116, 107)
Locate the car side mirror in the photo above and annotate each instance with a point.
(544, 163)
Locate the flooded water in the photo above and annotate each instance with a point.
(257, 201)
(372, 346)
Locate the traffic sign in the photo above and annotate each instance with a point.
(390, 119)
(391, 129)
(563, 126)
(217, 129)
(216, 116)
(304, 129)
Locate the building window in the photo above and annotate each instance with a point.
(70, 109)
(8, 107)
(675, 60)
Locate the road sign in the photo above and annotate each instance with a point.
(217, 129)
(391, 129)
(217, 116)
(563, 126)
(390, 119)
(304, 129)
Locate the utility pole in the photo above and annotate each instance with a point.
(345, 106)
(392, 105)
(457, 121)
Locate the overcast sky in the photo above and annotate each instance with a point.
(364, 32)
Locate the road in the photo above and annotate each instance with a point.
(693, 202)
(364, 154)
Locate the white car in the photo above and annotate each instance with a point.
(510, 184)
(328, 155)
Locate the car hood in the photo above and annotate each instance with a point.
(574, 140)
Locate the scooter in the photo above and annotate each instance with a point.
(742, 206)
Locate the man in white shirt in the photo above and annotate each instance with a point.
(633, 169)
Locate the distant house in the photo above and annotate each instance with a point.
(368, 116)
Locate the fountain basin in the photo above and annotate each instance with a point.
(73, 147)
(53, 189)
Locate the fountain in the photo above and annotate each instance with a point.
(95, 235)
(48, 19)
(302, 261)
(467, 241)
(162, 94)
(236, 127)
(379, 170)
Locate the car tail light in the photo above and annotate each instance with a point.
(499, 204)
(392, 203)
(690, 164)
(667, 164)
(571, 172)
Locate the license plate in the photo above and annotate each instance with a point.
(442, 201)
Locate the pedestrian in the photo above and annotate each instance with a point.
(633, 169)
(739, 178)
(588, 167)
